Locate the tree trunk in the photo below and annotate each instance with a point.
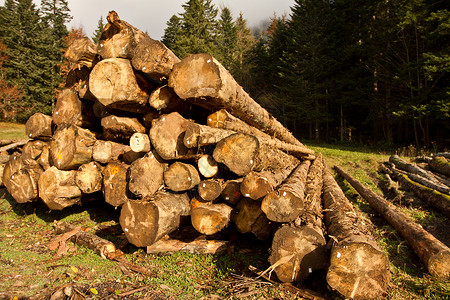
(231, 191)
(209, 219)
(181, 177)
(58, 189)
(78, 80)
(82, 51)
(441, 165)
(433, 253)
(207, 166)
(33, 149)
(145, 222)
(286, 203)
(201, 135)
(115, 183)
(44, 158)
(107, 151)
(140, 142)
(154, 59)
(120, 129)
(89, 177)
(164, 98)
(114, 84)
(358, 267)
(39, 126)
(23, 184)
(118, 38)
(69, 109)
(411, 168)
(209, 190)
(71, 147)
(146, 175)
(214, 87)
(169, 246)
(248, 217)
(14, 164)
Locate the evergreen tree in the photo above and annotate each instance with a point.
(240, 67)
(172, 33)
(226, 39)
(98, 31)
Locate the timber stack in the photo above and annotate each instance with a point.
(169, 140)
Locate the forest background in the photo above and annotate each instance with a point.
(373, 72)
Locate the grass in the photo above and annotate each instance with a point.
(12, 131)
(30, 269)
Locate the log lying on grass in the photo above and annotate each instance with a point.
(195, 246)
(145, 222)
(209, 218)
(411, 168)
(441, 165)
(214, 87)
(433, 253)
(358, 267)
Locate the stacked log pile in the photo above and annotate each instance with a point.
(169, 140)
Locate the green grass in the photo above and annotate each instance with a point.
(12, 131)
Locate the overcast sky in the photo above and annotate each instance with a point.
(152, 15)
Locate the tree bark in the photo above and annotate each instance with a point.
(214, 87)
(169, 246)
(358, 267)
(432, 252)
(89, 177)
(145, 222)
(441, 165)
(154, 59)
(114, 84)
(118, 38)
(181, 177)
(120, 129)
(44, 158)
(411, 168)
(248, 217)
(140, 142)
(209, 219)
(82, 51)
(146, 175)
(200, 135)
(115, 183)
(209, 190)
(33, 149)
(286, 203)
(71, 147)
(207, 166)
(70, 109)
(57, 188)
(39, 126)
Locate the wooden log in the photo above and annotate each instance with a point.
(13, 145)
(166, 136)
(209, 218)
(286, 203)
(231, 191)
(432, 252)
(440, 164)
(150, 117)
(107, 151)
(57, 188)
(300, 249)
(89, 177)
(33, 149)
(39, 126)
(14, 164)
(146, 175)
(169, 246)
(200, 135)
(114, 84)
(120, 129)
(209, 190)
(44, 159)
(115, 183)
(238, 152)
(23, 184)
(118, 38)
(2, 169)
(411, 168)
(444, 154)
(140, 142)
(358, 267)
(154, 59)
(249, 218)
(213, 86)
(78, 80)
(70, 109)
(181, 177)
(82, 51)
(224, 120)
(71, 147)
(207, 166)
(145, 222)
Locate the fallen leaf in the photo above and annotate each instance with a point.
(74, 269)
(94, 291)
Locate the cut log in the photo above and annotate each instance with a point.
(145, 222)
(39, 126)
(2, 168)
(107, 151)
(120, 129)
(69, 109)
(23, 184)
(200, 135)
(225, 120)
(169, 246)
(411, 168)
(14, 164)
(433, 253)
(118, 38)
(209, 190)
(207, 166)
(181, 177)
(71, 147)
(167, 135)
(248, 217)
(150, 117)
(154, 59)
(358, 267)
(78, 80)
(238, 152)
(286, 203)
(115, 183)
(202, 77)
(89, 177)
(82, 51)
(44, 158)
(209, 219)
(114, 84)
(13, 145)
(441, 165)
(140, 142)
(33, 149)
(146, 175)
(57, 188)
(231, 191)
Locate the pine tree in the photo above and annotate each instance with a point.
(98, 31)
(240, 67)
(172, 33)
(226, 39)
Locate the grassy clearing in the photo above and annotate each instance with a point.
(12, 131)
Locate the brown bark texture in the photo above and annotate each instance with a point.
(39, 126)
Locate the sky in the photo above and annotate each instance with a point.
(152, 15)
